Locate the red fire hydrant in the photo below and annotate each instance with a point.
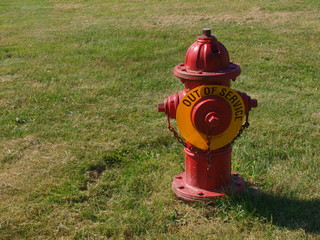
(210, 116)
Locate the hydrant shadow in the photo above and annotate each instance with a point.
(282, 211)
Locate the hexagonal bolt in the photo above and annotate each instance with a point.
(212, 120)
(206, 32)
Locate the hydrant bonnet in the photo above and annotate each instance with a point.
(207, 60)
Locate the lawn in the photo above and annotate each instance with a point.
(85, 154)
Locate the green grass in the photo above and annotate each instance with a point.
(85, 154)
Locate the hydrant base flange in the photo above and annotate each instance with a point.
(193, 194)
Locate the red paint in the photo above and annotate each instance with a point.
(214, 177)
(206, 55)
(169, 106)
(218, 108)
(200, 183)
(207, 176)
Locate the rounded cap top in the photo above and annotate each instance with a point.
(207, 59)
(207, 54)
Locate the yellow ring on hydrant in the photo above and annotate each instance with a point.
(194, 136)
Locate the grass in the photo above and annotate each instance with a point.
(85, 154)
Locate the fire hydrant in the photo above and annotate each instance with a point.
(210, 116)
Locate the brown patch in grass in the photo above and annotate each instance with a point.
(251, 16)
(255, 15)
(28, 163)
(316, 117)
(9, 78)
(35, 166)
(67, 6)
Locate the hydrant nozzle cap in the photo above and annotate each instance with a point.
(161, 107)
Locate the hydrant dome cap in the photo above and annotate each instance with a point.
(208, 59)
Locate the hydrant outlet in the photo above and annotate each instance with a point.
(161, 107)
(211, 113)
(254, 103)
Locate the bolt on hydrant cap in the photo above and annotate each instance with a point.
(206, 32)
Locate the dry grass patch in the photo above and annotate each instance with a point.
(9, 78)
(67, 6)
(252, 15)
(28, 163)
(243, 16)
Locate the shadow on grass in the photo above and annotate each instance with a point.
(283, 211)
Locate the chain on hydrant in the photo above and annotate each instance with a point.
(210, 116)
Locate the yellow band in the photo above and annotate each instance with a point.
(188, 130)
